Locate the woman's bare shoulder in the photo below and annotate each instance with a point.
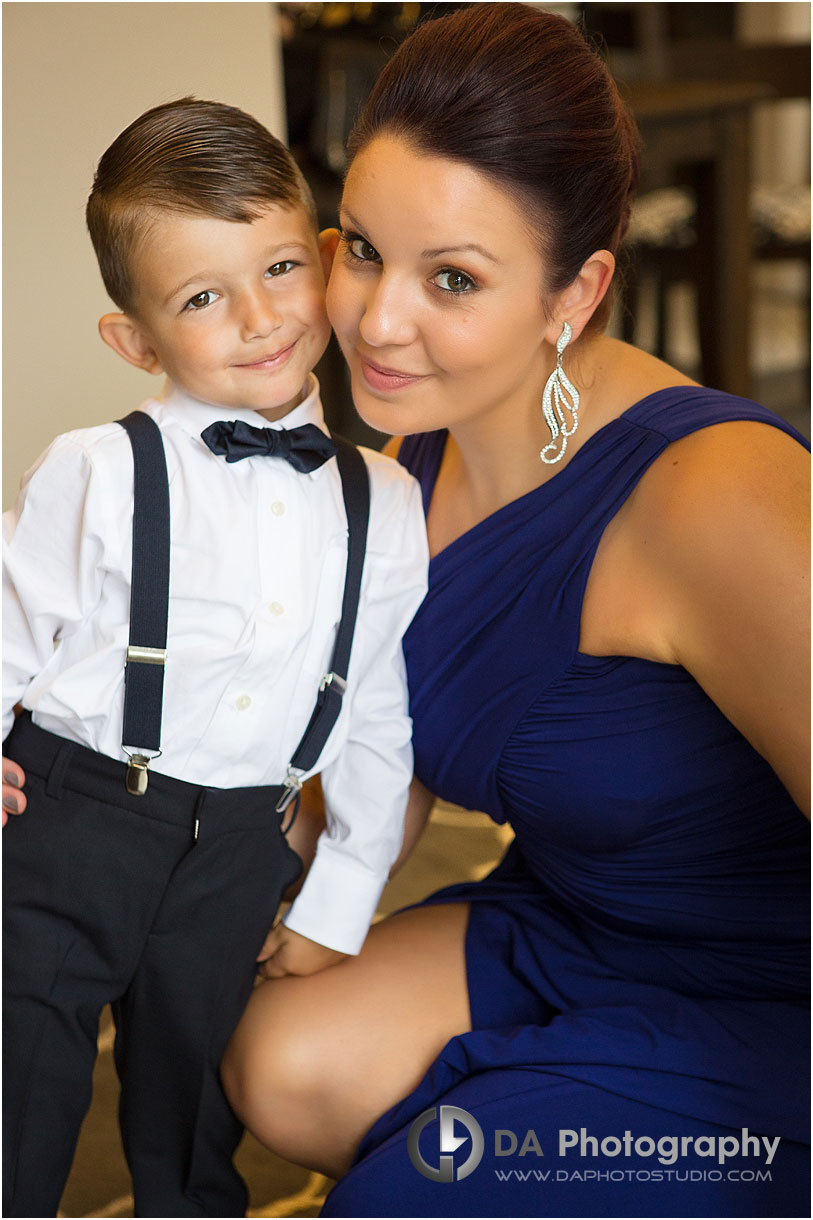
(636, 374)
(740, 465)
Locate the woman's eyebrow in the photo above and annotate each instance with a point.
(350, 218)
(461, 249)
(457, 248)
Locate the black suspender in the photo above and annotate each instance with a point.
(149, 607)
(149, 600)
(356, 491)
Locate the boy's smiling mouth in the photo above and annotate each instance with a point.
(273, 361)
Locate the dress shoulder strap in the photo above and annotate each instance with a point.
(680, 410)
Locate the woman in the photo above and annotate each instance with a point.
(610, 657)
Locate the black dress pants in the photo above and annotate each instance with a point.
(157, 905)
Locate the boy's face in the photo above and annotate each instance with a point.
(233, 313)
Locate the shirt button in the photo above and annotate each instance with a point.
(243, 702)
(278, 508)
(276, 609)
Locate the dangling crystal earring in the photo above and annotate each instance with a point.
(557, 392)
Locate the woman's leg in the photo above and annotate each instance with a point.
(316, 1060)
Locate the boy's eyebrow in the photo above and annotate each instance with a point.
(272, 254)
(461, 248)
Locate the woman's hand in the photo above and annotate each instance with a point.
(13, 796)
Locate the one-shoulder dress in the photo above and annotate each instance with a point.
(638, 962)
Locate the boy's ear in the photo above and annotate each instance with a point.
(328, 242)
(128, 339)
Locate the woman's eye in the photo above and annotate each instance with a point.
(454, 281)
(200, 300)
(280, 268)
(362, 250)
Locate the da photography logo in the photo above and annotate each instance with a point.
(449, 1143)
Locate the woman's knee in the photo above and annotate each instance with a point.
(316, 1060)
(271, 1072)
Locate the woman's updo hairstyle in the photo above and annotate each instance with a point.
(519, 95)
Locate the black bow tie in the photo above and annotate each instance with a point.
(305, 448)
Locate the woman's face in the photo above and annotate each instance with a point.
(436, 294)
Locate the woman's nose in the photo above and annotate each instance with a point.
(388, 316)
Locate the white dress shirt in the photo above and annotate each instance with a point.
(257, 569)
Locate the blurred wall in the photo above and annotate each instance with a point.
(74, 75)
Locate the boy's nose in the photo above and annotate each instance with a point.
(258, 317)
(388, 316)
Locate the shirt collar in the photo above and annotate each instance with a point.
(193, 415)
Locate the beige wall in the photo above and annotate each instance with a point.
(74, 75)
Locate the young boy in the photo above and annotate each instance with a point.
(152, 884)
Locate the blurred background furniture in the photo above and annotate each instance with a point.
(699, 130)
(707, 232)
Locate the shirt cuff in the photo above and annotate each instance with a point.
(335, 906)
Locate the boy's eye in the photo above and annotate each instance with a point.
(280, 268)
(454, 282)
(200, 300)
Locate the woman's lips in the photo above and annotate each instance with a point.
(380, 378)
(270, 362)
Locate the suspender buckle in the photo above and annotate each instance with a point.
(137, 777)
(293, 786)
(291, 796)
(334, 682)
(137, 774)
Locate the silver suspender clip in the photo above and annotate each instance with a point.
(137, 777)
(293, 786)
(333, 680)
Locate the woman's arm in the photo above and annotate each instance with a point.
(723, 528)
(419, 807)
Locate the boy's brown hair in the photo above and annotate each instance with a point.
(199, 157)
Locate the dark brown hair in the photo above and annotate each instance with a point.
(199, 157)
(519, 95)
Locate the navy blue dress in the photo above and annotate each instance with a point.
(637, 964)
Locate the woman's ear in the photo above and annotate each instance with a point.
(328, 244)
(127, 337)
(580, 300)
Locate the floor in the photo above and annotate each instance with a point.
(457, 845)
